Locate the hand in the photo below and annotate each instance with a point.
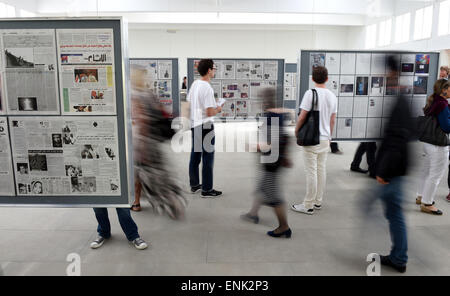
(219, 109)
(382, 181)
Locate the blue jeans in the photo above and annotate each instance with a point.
(392, 198)
(126, 222)
(202, 151)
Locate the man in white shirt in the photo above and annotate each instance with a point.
(203, 110)
(315, 157)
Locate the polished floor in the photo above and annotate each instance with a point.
(214, 241)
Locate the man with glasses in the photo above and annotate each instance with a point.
(203, 110)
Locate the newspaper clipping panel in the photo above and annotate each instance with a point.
(86, 71)
(6, 172)
(65, 155)
(29, 71)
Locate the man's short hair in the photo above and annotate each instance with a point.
(320, 74)
(204, 66)
(445, 68)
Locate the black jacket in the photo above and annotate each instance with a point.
(393, 156)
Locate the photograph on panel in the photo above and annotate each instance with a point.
(407, 64)
(332, 84)
(317, 60)
(422, 63)
(376, 85)
(362, 86)
(420, 85)
(346, 85)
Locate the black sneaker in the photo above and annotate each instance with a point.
(211, 193)
(358, 170)
(385, 260)
(195, 189)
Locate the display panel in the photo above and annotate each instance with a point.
(365, 92)
(240, 82)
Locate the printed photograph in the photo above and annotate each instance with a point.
(38, 162)
(73, 171)
(19, 58)
(89, 152)
(27, 104)
(376, 86)
(36, 187)
(68, 139)
(317, 59)
(110, 153)
(23, 188)
(362, 86)
(57, 141)
(86, 75)
(420, 85)
(407, 68)
(22, 168)
(97, 95)
(422, 63)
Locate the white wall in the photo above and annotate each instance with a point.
(233, 43)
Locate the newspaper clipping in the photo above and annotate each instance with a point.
(6, 173)
(65, 156)
(86, 63)
(29, 71)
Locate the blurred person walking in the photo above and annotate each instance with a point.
(370, 149)
(152, 177)
(436, 156)
(315, 157)
(269, 191)
(203, 109)
(392, 164)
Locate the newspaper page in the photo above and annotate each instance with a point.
(164, 69)
(6, 172)
(270, 70)
(243, 70)
(86, 71)
(66, 156)
(2, 104)
(29, 71)
(256, 70)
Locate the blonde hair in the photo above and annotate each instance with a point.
(438, 87)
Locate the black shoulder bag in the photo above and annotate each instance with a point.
(309, 133)
(430, 132)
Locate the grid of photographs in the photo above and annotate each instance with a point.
(240, 83)
(365, 94)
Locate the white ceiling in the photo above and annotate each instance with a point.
(246, 12)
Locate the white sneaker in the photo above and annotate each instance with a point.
(140, 244)
(301, 209)
(98, 242)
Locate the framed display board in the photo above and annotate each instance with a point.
(65, 129)
(240, 81)
(365, 94)
(290, 86)
(162, 78)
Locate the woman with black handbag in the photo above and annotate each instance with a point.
(435, 146)
(314, 127)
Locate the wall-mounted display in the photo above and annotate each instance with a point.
(161, 77)
(240, 82)
(366, 91)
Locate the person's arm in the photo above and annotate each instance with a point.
(444, 121)
(301, 120)
(332, 122)
(213, 111)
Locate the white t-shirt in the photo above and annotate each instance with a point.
(201, 97)
(326, 105)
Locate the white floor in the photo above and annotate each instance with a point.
(214, 241)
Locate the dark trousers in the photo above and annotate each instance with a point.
(334, 147)
(369, 148)
(391, 196)
(126, 222)
(203, 141)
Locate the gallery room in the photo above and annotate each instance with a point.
(185, 138)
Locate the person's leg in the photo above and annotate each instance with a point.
(126, 222)
(392, 198)
(280, 211)
(424, 172)
(358, 156)
(438, 164)
(321, 173)
(208, 158)
(196, 156)
(310, 162)
(371, 149)
(104, 227)
(137, 195)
